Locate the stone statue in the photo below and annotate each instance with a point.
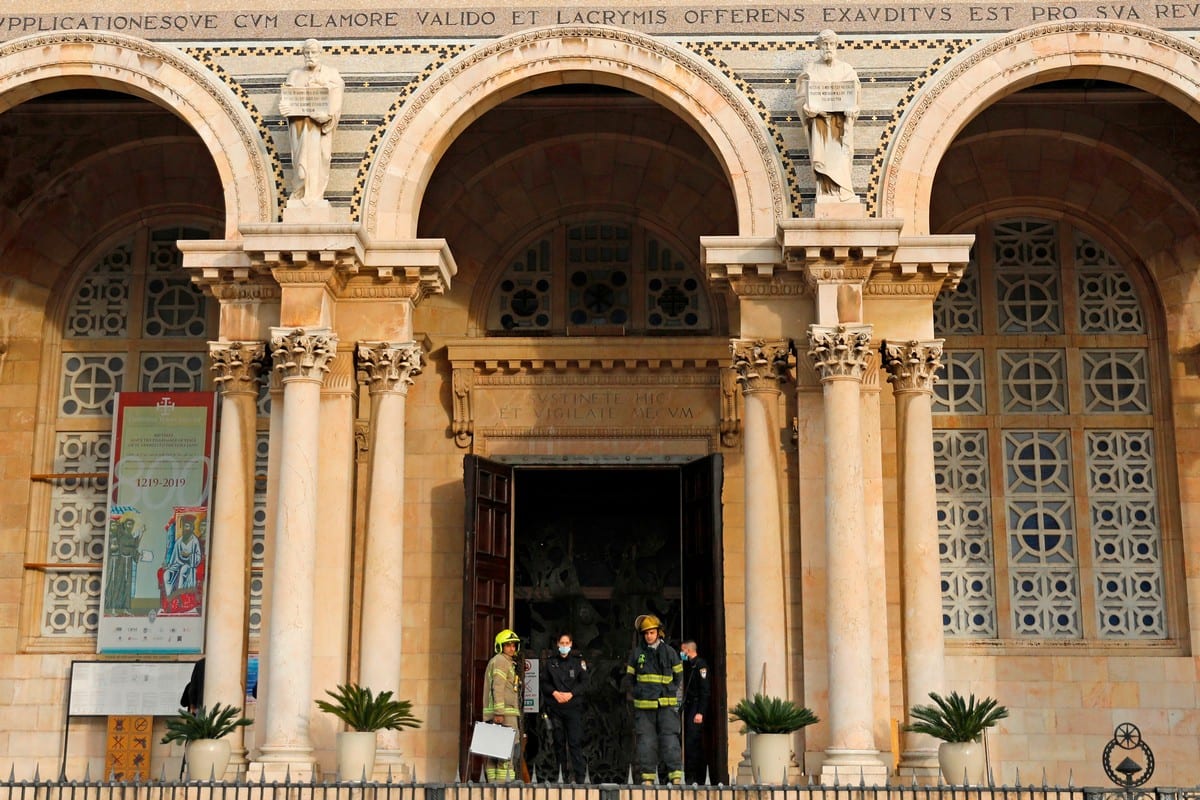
(828, 94)
(311, 99)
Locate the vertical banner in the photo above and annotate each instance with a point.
(156, 544)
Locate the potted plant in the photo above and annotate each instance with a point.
(772, 720)
(202, 734)
(959, 722)
(365, 713)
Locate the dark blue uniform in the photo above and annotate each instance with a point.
(566, 674)
(696, 692)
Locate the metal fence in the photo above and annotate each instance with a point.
(38, 788)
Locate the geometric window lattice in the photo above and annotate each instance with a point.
(965, 533)
(1107, 300)
(599, 265)
(172, 372)
(1084, 372)
(961, 389)
(258, 535)
(71, 604)
(173, 305)
(1126, 550)
(99, 308)
(90, 383)
(1033, 381)
(1040, 526)
(523, 300)
(1026, 274)
(1115, 381)
(956, 312)
(674, 300)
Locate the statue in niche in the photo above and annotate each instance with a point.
(828, 94)
(311, 99)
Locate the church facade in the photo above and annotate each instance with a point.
(565, 324)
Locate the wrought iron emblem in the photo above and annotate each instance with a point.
(1128, 774)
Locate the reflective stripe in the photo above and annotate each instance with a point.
(648, 678)
(629, 670)
(645, 704)
(668, 701)
(677, 668)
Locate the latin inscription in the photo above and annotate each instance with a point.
(592, 407)
(490, 22)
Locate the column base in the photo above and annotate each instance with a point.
(389, 768)
(296, 766)
(919, 767)
(853, 768)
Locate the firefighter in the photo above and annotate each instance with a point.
(655, 670)
(502, 683)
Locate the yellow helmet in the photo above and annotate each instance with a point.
(504, 637)
(646, 622)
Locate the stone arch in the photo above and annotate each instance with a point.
(31, 66)
(1136, 55)
(487, 76)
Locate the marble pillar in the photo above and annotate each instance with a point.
(841, 355)
(236, 366)
(301, 359)
(389, 369)
(912, 369)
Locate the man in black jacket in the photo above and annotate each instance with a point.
(696, 691)
(563, 681)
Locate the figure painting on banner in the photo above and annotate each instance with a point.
(181, 578)
(125, 530)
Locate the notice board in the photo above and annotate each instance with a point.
(127, 688)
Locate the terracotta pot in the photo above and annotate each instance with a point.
(356, 754)
(961, 762)
(207, 759)
(770, 754)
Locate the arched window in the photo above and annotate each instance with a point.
(133, 322)
(600, 277)
(1049, 461)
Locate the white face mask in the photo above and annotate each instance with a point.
(564, 649)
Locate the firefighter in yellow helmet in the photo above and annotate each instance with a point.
(656, 671)
(502, 701)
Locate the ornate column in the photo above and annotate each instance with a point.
(301, 358)
(237, 366)
(912, 370)
(841, 355)
(388, 368)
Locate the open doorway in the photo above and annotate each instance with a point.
(587, 548)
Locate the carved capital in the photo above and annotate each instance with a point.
(300, 353)
(912, 366)
(389, 366)
(840, 351)
(237, 366)
(761, 365)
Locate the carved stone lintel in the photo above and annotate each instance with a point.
(912, 366)
(300, 353)
(840, 351)
(464, 422)
(761, 365)
(389, 366)
(237, 366)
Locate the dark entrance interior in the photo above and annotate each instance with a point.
(592, 547)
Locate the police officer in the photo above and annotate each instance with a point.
(696, 692)
(656, 670)
(563, 681)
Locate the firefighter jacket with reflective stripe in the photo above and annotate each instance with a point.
(501, 687)
(656, 672)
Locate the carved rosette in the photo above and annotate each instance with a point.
(840, 352)
(300, 353)
(912, 366)
(389, 366)
(761, 365)
(237, 366)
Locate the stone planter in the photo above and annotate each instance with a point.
(962, 763)
(356, 754)
(770, 755)
(207, 759)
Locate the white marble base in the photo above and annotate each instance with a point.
(852, 768)
(297, 211)
(834, 209)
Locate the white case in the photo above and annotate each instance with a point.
(493, 740)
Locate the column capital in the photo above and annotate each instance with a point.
(761, 365)
(237, 366)
(913, 365)
(840, 351)
(301, 353)
(389, 366)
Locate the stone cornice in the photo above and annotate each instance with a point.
(237, 366)
(586, 353)
(761, 365)
(923, 266)
(304, 354)
(912, 366)
(840, 352)
(389, 366)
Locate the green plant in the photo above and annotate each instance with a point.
(204, 723)
(954, 718)
(763, 714)
(362, 710)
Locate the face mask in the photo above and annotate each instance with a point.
(683, 656)
(564, 649)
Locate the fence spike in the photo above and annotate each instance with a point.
(630, 779)
(1045, 784)
(1071, 778)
